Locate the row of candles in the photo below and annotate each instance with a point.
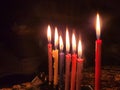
(73, 76)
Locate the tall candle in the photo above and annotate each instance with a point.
(61, 64)
(68, 61)
(49, 54)
(79, 67)
(74, 58)
(98, 55)
(55, 56)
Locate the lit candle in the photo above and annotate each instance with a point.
(74, 58)
(79, 66)
(49, 54)
(61, 64)
(98, 55)
(68, 61)
(55, 56)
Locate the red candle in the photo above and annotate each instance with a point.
(79, 67)
(49, 54)
(68, 61)
(67, 72)
(98, 55)
(74, 58)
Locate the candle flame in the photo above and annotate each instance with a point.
(49, 33)
(56, 37)
(61, 43)
(79, 49)
(98, 26)
(67, 41)
(73, 43)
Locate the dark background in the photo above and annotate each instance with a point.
(23, 33)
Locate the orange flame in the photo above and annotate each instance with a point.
(98, 26)
(79, 49)
(73, 43)
(49, 33)
(67, 41)
(56, 37)
(61, 43)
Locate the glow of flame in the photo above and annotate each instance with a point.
(61, 43)
(49, 33)
(67, 41)
(73, 43)
(79, 49)
(56, 37)
(98, 26)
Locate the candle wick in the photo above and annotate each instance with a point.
(55, 47)
(67, 52)
(98, 37)
(49, 41)
(73, 52)
(79, 56)
(61, 51)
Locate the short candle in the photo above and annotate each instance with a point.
(49, 55)
(68, 61)
(55, 56)
(74, 58)
(61, 64)
(79, 67)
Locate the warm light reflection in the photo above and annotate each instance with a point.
(79, 49)
(49, 33)
(67, 41)
(56, 37)
(98, 26)
(61, 43)
(73, 43)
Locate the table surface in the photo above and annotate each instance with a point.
(110, 80)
